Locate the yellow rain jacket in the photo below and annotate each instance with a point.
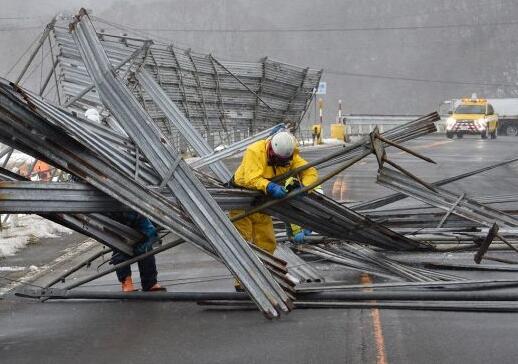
(255, 173)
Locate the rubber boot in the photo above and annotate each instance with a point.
(127, 284)
(157, 288)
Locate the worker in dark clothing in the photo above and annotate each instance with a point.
(146, 266)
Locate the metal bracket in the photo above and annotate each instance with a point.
(492, 233)
(377, 147)
(379, 151)
(450, 210)
(169, 174)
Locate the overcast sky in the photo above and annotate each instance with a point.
(379, 56)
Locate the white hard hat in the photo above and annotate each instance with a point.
(93, 115)
(283, 144)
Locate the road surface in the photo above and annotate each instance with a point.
(138, 332)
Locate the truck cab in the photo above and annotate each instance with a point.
(472, 116)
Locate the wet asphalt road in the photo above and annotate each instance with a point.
(136, 332)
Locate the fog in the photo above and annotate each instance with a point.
(383, 57)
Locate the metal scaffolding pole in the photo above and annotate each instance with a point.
(89, 88)
(41, 41)
(178, 119)
(59, 149)
(98, 227)
(464, 207)
(243, 84)
(373, 204)
(28, 197)
(235, 148)
(204, 211)
(317, 212)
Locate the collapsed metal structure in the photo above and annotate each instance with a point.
(132, 162)
(225, 101)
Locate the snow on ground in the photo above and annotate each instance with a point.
(17, 159)
(325, 141)
(26, 229)
(16, 268)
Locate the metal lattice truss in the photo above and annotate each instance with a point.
(225, 100)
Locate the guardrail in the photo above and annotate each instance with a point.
(364, 124)
(304, 137)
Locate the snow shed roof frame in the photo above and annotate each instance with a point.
(220, 98)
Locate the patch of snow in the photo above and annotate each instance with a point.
(304, 143)
(17, 159)
(325, 142)
(333, 141)
(12, 269)
(34, 272)
(25, 229)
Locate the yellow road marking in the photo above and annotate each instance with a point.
(379, 340)
(337, 187)
(343, 188)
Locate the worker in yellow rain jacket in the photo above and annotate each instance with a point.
(262, 161)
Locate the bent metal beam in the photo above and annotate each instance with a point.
(175, 173)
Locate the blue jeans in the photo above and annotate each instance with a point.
(146, 267)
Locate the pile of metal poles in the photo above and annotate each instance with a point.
(200, 220)
(131, 165)
(113, 168)
(363, 259)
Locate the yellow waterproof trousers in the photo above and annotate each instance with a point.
(257, 229)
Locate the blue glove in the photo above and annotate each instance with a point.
(299, 237)
(276, 191)
(307, 232)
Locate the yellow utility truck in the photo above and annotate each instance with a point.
(472, 116)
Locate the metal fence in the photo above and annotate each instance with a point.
(365, 124)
